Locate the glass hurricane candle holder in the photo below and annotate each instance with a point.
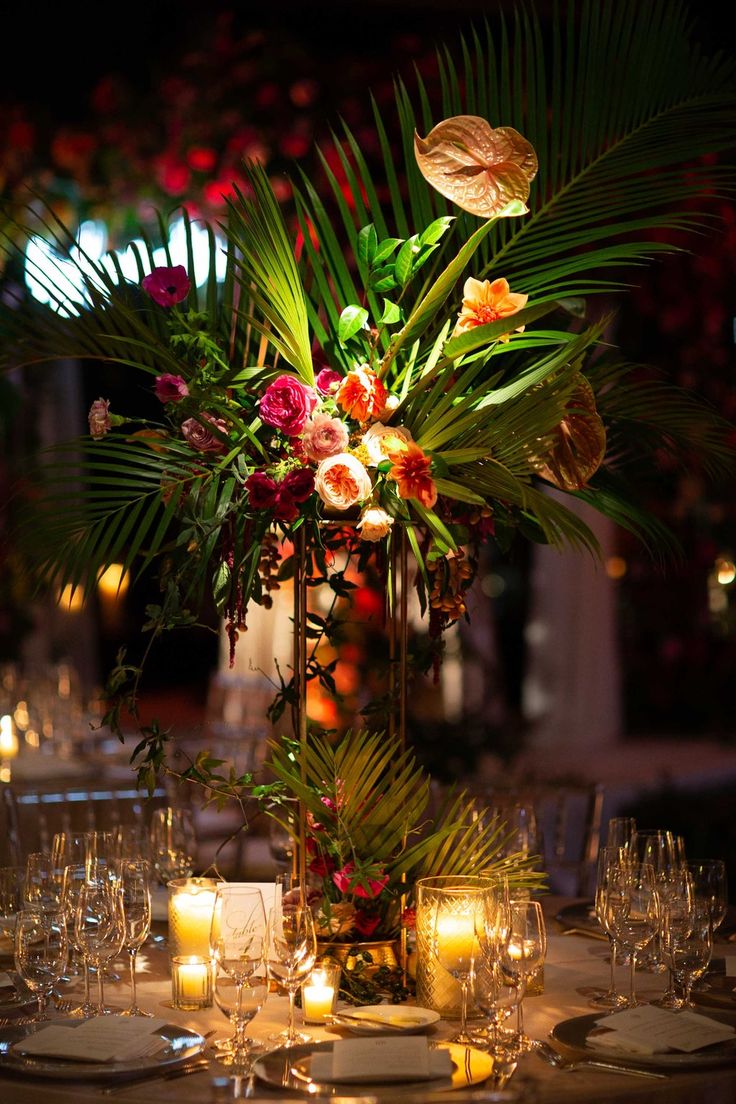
(191, 982)
(191, 906)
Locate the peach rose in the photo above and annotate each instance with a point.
(375, 523)
(341, 481)
(380, 438)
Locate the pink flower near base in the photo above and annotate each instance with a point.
(99, 418)
(327, 381)
(167, 286)
(343, 878)
(287, 404)
(169, 388)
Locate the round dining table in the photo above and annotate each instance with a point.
(576, 965)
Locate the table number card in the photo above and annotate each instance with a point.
(381, 1060)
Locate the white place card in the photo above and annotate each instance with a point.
(100, 1039)
(648, 1029)
(381, 1060)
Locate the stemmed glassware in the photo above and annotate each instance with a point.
(99, 923)
(173, 843)
(522, 954)
(492, 925)
(42, 886)
(41, 947)
(136, 908)
(12, 879)
(291, 949)
(74, 877)
(688, 948)
(609, 875)
(455, 938)
(710, 888)
(633, 912)
(237, 938)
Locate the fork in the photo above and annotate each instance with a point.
(554, 1058)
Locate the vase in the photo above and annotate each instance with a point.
(384, 952)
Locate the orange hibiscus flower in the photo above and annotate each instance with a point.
(485, 302)
(362, 395)
(410, 470)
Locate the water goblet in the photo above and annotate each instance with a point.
(237, 937)
(291, 949)
(136, 905)
(41, 947)
(522, 954)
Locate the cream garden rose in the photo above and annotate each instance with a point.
(341, 481)
(375, 523)
(378, 439)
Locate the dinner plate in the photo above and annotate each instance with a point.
(573, 1035)
(581, 918)
(181, 1045)
(389, 1019)
(720, 992)
(289, 1068)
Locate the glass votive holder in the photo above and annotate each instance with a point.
(319, 992)
(191, 982)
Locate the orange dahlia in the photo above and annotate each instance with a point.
(362, 395)
(410, 470)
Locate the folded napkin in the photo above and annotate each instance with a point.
(648, 1030)
(100, 1039)
(381, 1060)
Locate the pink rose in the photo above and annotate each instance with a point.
(286, 404)
(341, 481)
(328, 381)
(343, 878)
(99, 418)
(195, 431)
(170, 388)
(324, 436)
(167, 286)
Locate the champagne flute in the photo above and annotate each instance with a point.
(237, 938)
(291, 950)
(40, 951)
(98, 922)
(136, 905)
(522, 954)
(608, 871)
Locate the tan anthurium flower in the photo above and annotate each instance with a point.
(480, 169)
(579, 443)
(485, 302)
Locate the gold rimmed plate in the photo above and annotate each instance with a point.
(290, 1068)
(178, 1046)
(574, 1036)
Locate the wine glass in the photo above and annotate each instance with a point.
(522, 954)
(12, 879)
(136, 905)
(676, 900)
(99, 924)
(621, 831)
(609, 871)
(492, 926)
(689, 947)
(237, 938)
(454, 939)
(40, 951)
(291, 949)
(42, 886)
(73, 880)
(710, 887)
(633, 911)
(173, 843)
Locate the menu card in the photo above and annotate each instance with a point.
(648, 1029)
(100, 1039)
(390, 1058)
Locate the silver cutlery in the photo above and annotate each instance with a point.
(168, 1075)
(554, 1058)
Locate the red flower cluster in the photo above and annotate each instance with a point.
(284, 497)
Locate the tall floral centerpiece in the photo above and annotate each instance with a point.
(411, 362)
